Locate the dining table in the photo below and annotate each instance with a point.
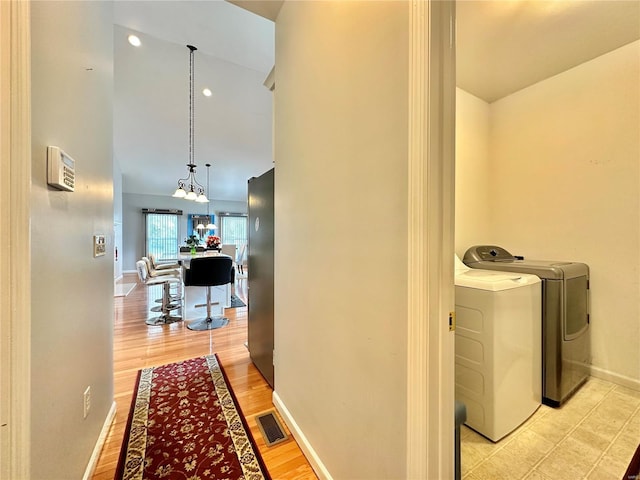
(194, 298)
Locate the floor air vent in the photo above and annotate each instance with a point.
(271, 428)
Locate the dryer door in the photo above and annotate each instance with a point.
(576, 307)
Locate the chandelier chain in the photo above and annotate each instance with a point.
(191, 106)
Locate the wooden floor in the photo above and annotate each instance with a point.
(137, 345)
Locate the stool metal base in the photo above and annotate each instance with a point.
(173, 298)
(171, 306)
(209, 323)
(163, 320)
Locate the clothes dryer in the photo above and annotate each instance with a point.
(497, 348)
(566, 347)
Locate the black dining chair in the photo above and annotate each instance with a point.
(208, 272)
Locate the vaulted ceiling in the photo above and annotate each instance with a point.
(232, 127)
(502, 47)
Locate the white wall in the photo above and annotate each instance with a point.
(341, 231)
(473, 174)
(72, 292)
(562, 179)
(133, 219)
(566, 176)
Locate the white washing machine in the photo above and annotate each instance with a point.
(498, 348)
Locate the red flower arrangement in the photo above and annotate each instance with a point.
(213, 241)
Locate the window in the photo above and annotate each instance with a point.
(161, 238)
(233, 229)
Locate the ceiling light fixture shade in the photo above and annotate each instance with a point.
(188, 187)
(210, 225)
(191, 195)
(202, 198)
(134, 40)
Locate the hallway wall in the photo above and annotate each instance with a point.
(341, 149)
(71, 291)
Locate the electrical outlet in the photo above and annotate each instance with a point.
(86, 402)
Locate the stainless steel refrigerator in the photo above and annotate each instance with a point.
(260, 274)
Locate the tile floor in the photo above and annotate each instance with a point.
(592, 436)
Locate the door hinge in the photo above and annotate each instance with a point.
(452, 321)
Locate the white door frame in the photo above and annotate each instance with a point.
(430, 349)
(15, 239)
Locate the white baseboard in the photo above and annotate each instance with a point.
(93, 461)
(129, 271)
(116, 279)
(616, 378)
(305, 446)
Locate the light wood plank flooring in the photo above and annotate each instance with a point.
(137, 345)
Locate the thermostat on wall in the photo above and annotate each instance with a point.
(61, 169)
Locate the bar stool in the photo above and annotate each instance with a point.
(208, 272)
(154, 272)
(166, 281)
(176, 271)
(161, 266)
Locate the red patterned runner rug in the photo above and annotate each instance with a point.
(185, 423)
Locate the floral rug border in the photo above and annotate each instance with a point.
(131, 462)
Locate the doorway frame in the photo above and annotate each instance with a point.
(431, 201)
(15, 239)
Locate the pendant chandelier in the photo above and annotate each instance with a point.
(188, 187)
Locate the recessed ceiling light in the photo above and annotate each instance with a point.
(133, 40)
(206, 92)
